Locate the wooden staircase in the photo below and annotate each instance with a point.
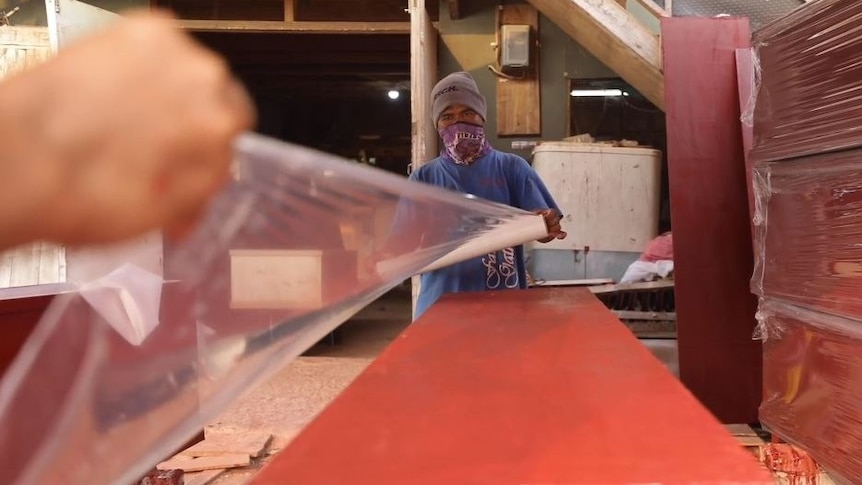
(616, 37)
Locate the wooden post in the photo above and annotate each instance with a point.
(289, 10)
(423, 76)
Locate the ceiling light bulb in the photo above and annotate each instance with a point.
(393, 94)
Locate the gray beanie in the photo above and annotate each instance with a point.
(456, 88)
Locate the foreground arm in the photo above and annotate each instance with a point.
(127, 131)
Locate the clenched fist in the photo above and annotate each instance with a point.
(552, 222)
(123, 132)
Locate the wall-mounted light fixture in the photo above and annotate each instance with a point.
(597, 92)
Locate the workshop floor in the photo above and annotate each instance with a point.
(293, 397)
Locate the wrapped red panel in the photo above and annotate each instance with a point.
(808, 232)
(810, 86)
(812, 384)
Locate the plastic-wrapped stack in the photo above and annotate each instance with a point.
(807, 157)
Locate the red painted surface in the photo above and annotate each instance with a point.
(526, 387)
(20, 311)
(718, 359)
(813, 382)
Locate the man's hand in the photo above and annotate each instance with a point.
(552, 221)
(124, 132)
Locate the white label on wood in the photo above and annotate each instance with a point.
(276, 279)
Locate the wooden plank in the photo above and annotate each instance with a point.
(289, 10)
(469, 393)
(454, 9)
(251, 443)
(644, 286)
(740, 430)
(630, 315)
(587, 282)
(296, 27)
(615, 37)
(202, 478)
(25, 265)
(6, 269)
(519, 103)
(22, 47)
(219, 462)
(711, 229)
(49, 264)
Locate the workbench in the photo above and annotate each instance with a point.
(515, 387)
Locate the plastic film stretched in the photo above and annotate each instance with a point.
(808, 232)
(121, 373)
(810, 81)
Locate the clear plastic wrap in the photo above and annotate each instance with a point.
(812, 384)
(122, 372)
(808, 232)
(810, 81)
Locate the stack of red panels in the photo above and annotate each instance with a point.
(807, 181)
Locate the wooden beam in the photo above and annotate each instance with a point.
(668, 7)
(289, 10)
(615, 37)
(454, 9)
(296, 27)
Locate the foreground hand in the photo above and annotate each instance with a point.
(130, 130)
(552, 222)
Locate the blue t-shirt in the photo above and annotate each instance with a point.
(499, 177)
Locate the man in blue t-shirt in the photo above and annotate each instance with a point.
(468, 164)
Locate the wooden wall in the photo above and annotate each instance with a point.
(22, 47)
(39, 263)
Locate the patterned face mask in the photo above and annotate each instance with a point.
(464, 143)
